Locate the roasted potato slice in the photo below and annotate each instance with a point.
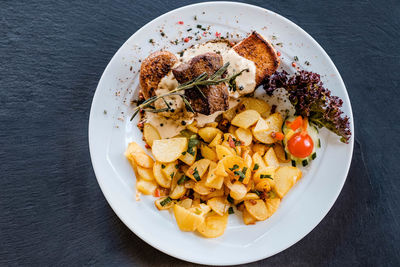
(246, 119)
(213, 226)
(257, 209)
(168, 150)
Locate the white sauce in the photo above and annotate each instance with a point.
(245, 82)
(168, 82)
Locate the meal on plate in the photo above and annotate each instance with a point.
(219, 148)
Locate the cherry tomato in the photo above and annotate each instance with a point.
(300, 145)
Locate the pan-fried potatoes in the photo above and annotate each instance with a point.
(168, 150)
(203, 174)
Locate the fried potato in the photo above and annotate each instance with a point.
(222, 151)
(146, 174)
(166, 206)
(280, 153)
(238, 191)
(247, 218)
(258, 105)
(208, 133)
(150, 133)
(208, 153)
(201, 188)
(272, 205)
(216, 141)
(257, 209)
(186, 219)
(168, 150)
(213, 180)
(198, 168)
(271, 159)
(285, 178)
(143, 160)
(246, 119)
(162, 179)
(146, 187)
(219, 204)
(188, 158)
(213, 226)
(244, 135)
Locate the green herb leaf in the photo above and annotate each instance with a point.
(196, 174)
(193, 142)
(230, 199)
(256, 166)
(268, 176)
(234, 167)
(165, 201)
(230, 210)
(183, 179)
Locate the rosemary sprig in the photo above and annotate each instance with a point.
(201, 80)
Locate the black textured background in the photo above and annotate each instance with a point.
(53, 53)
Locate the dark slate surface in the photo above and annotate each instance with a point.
(52, 211)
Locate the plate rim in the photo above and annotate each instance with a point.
(261, 256)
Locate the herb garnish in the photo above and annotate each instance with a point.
(201, 80)
(262, 176)
(241, 174)
(165, 201)
(234, 167)
(193, 142)
(230, 210)
(230, 199)
(256, 166)
(196, 174)
(183, 179)
(162, 166)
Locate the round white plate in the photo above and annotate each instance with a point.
(110, 131)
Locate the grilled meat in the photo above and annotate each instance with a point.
(215, 96)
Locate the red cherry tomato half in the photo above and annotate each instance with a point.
(300, 145)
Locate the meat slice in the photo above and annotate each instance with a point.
(215, 96)
(261, 52)
(153, 69)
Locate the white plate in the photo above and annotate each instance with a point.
(110, 131)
